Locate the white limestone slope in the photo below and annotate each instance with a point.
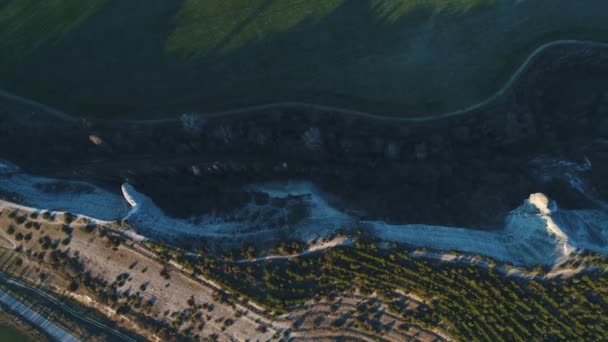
(251, 220)
(321, 218)
(7, 168)
(54, 194)
(535, 233)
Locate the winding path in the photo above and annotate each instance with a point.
(417, 118)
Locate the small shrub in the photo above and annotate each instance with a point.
(262, 329)
(67, 229)
(69, 217)
(73, 286)
(165, 273)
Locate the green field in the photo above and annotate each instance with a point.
(12, 334)
(112, 58)
(218, 27)
(29, 24)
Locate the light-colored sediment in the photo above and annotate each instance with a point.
(252, 220)
(53, 194)
(537, 232)
(530, 236)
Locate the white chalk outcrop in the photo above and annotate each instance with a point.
(319, 218)
(55, 194)
(7, 168)
(149, 219)
(535, 233)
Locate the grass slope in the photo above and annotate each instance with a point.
(220, 26)
(28, 24)
(110, 58)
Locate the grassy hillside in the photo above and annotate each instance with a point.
(219, 26)
(28, 24)
(111, 58)
(391, 10)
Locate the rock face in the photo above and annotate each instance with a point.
(535, 233)
(400, 171)
(295, 212)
